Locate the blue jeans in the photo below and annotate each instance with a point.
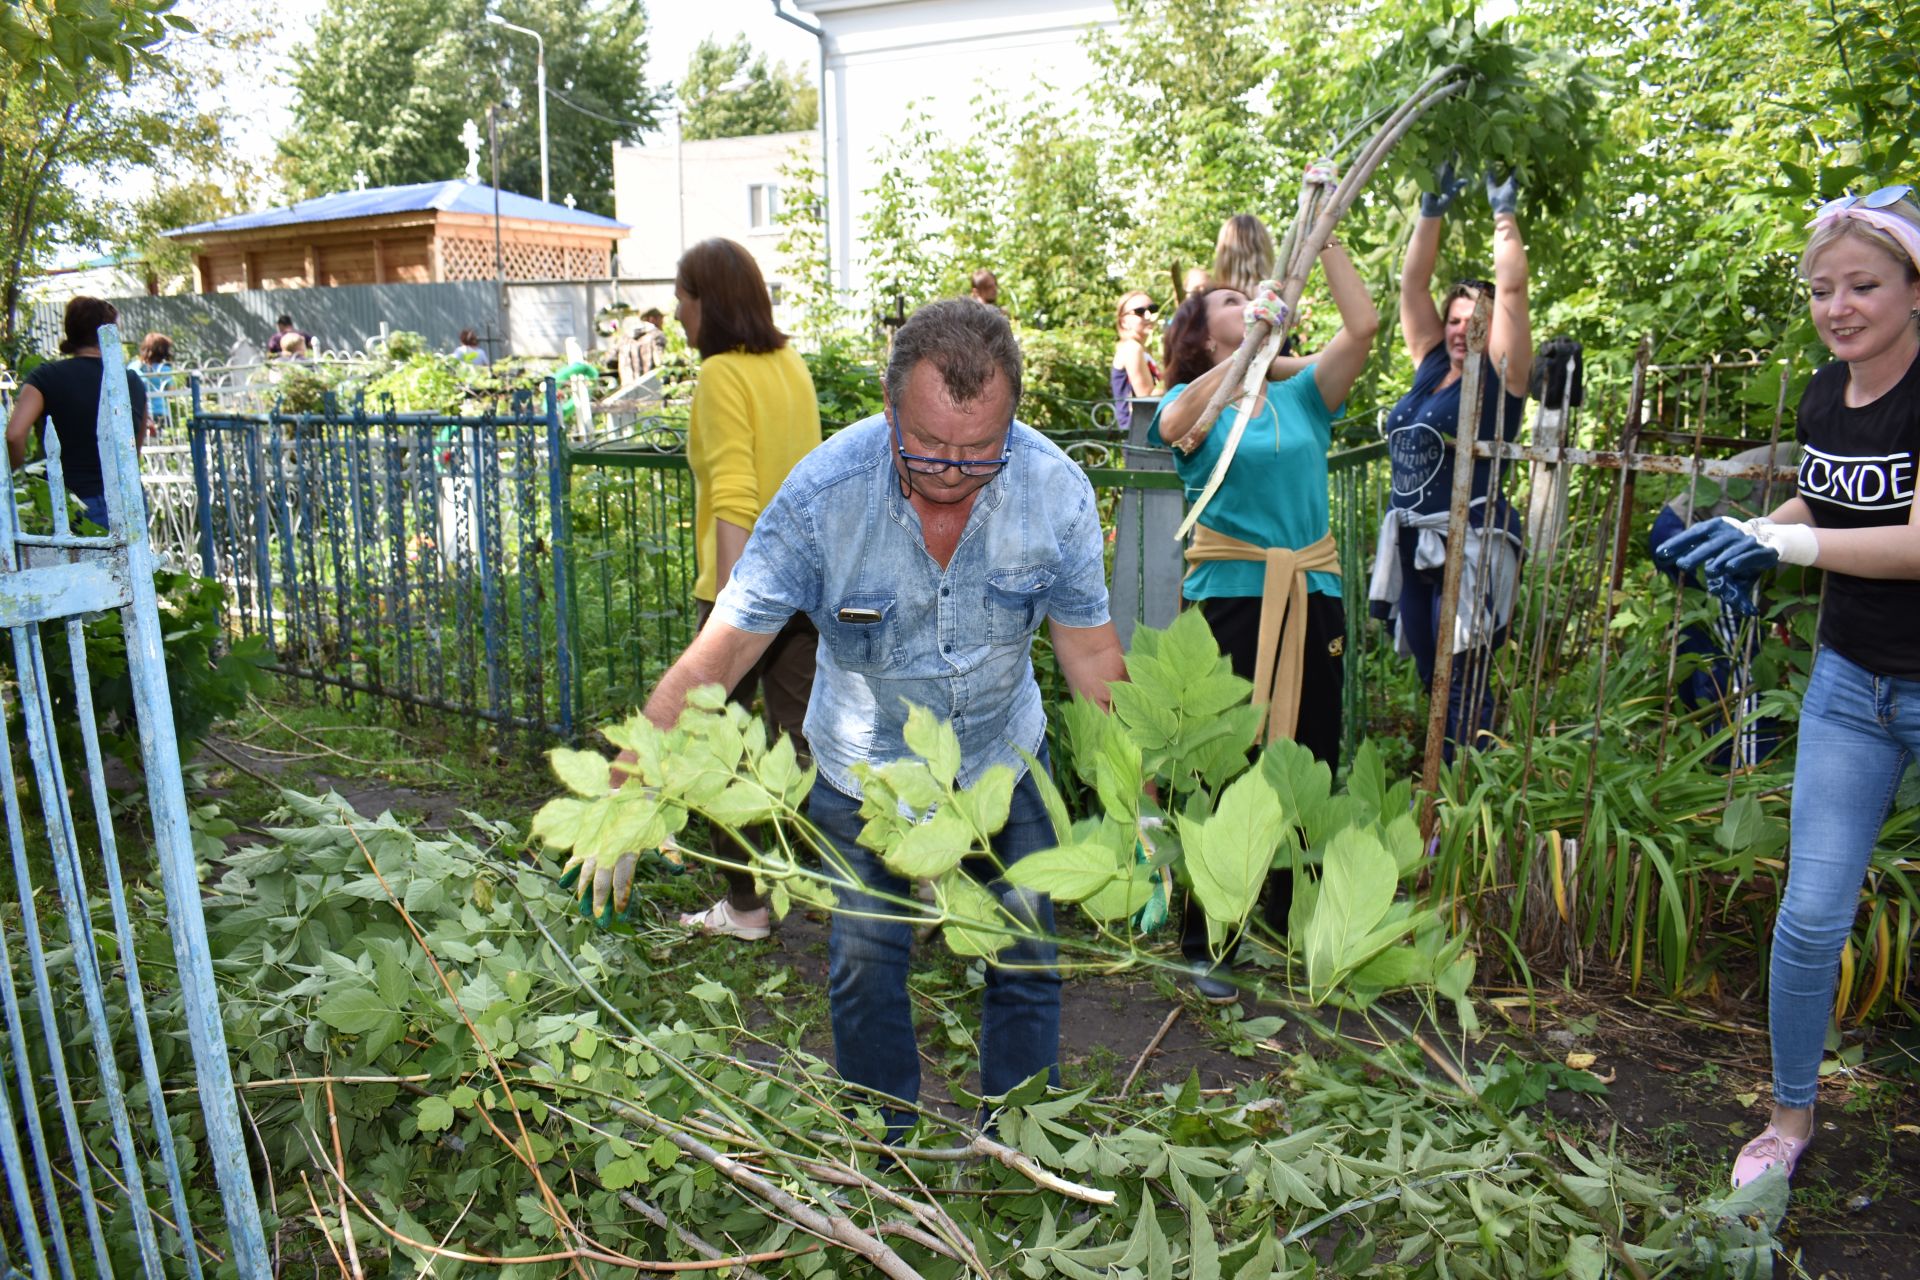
(1421, 624)
(1857, 733)
(867, 953)
(93, 508)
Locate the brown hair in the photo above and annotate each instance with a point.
(1185, 353)
(1463, 289)
(1827, 233)
(468, 338)
(1243, 255)
(83, 320)
(736, 312)
(966, 340)
(156, 348)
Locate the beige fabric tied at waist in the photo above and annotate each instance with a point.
(1278, 669)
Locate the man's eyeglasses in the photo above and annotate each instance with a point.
(938, 466)
(1872, 200)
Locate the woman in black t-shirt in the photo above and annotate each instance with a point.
(68, 392)
(1855, 517)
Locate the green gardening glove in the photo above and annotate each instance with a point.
(604, 883)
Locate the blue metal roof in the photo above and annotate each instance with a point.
(446, 197)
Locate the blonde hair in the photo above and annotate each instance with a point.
(1120, 312)
(1243, 255)
(1830, 232)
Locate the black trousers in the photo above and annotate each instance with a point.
(1235, 623)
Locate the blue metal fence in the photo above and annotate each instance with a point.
(398, 555)
(92, 1148)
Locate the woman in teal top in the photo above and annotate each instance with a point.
(1274, 495)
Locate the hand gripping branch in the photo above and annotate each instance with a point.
(1320, 210)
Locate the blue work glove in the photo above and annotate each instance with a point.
(1434, 204)
(1504, 196)
(1696, 545)
(1737, 592)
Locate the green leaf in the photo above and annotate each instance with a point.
(933, 740)
(584, 773)
(557, 824)
(963, 900)
(931, 848)
(434, 1114)
(986, 802)
(1356, 889)
(355, 1010)
(1228, 855)
(1068, 873)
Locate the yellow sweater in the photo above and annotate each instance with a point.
(753, 418)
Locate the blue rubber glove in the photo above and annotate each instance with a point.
(1504, 196)
(1738, 593)
(1696, 545)
(1434, 204)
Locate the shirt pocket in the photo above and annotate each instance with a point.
(1016, 602)
(864, 646)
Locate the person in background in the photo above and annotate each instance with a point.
(470, 351)
(293, 346)
(1196, 282)
(986, 288)
(652, 338)
(1243, 255)
(1411, 555)
(282, 327)
(1857, 519)
(754, 416)
(1287, 636)
(1133, 373)
(67, 391)
(156, 373)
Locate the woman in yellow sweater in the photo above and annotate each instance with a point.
(754, 416)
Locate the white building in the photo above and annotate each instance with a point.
(677, 194)
(881, 55)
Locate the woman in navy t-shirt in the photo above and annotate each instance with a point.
(66, 392)
(1421, 429)
(1856, 518)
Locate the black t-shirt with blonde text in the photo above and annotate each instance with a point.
(1857, 471)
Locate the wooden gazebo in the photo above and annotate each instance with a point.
(423, 233)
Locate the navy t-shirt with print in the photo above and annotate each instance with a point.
(1421, 430)
(1857, 470)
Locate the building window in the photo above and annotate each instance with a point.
(763, 205)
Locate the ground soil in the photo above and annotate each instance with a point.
(1685, 1086)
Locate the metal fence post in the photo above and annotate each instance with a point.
(202, 483)
(559, 496)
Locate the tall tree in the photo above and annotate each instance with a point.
(87, 120)
(731, 93)
(384, 86)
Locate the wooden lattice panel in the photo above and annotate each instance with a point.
(462, 259)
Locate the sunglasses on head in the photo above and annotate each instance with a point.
(1872, 200)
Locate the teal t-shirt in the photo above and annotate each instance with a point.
(1274, 495)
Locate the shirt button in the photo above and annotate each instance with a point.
(946, 591)
(948, 648)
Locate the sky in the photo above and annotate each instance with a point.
(677, 27)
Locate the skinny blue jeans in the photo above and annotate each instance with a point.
(1857, 733)
(868, 950)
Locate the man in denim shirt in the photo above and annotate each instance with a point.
(927, 544)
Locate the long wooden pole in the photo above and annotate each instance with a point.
(1465, 429)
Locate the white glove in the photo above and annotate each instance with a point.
(1794, 543)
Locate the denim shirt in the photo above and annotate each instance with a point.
(839, 536)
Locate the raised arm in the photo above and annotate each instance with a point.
(1421, 324)
(1510, 337)
(1340, 363)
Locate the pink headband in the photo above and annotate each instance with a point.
(1899, 228)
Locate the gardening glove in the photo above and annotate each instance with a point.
(1503, 196)
(1266, 305)
(1153, 913)
(604, 883)
(1323, 173)
(1699, 543)
(1434, 204)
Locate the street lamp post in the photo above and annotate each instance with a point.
(540, 82)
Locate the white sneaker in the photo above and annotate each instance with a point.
(722, 920)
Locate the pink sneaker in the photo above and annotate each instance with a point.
(722, 920)
(1769, 1149)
